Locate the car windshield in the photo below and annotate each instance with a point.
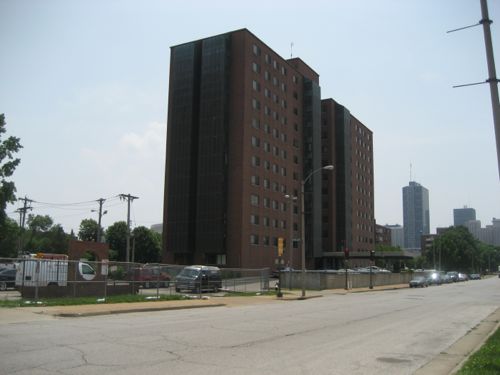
(189, 272)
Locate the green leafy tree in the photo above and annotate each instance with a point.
(457, 249)
(44, 236)
(147, 245)
(88, 230)
(8, 164)
(9, 241)
(116, 237)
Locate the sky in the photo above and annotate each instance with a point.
(84, 84)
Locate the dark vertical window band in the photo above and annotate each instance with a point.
(343, 173)
(312, 161)
(212, 146)
(183, 119)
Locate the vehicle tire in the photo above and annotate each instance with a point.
(3, 286)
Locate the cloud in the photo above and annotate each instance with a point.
(150, 143)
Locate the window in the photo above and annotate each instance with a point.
(256, 50)
(255, 161)
(267, 165)
(254, 219)
(255, 67)
(275, 168)
(295, 111)
(283, 154)
(283, 87)
(267, 128)
(275, 186)
(276, 151)
(255, 180)
(267, 93)
(275, 81)
(283, 70)
(254, 200)
(265, 240)
(267, 59)
(267, 202)
(254, 239)
(256, 85)
(275, 64)
(267, 76)
(283, 137)
(266, 183)
(265, 221)
(283, 171)
(255, 141)
(255, 123)
(255, 104)
(267, 147)
(275, 204)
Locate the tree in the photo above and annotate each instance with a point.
(8, 164)
(458, 250)
(9, 241)
(116, 237)
(147, 245)
(43, 236)
(88, 230)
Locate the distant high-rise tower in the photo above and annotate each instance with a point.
(463, 215)
(416, 218)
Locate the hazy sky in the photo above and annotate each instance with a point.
(84, 84)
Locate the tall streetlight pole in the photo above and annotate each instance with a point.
(290, 242)
(303, 225)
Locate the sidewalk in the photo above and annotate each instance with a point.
(206, 301)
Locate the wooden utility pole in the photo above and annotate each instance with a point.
(129, 198)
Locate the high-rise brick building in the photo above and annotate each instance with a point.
(244, 129)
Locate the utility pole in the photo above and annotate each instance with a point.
(22, 219)
(129, 198)
(492, 77)
(99, 229)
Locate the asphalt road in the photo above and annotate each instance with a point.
(388, 332)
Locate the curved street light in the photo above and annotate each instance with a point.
(303, 230)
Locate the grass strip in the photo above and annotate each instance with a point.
(69, 301)
(486, 361)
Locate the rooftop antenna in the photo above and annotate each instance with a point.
(492, 80)
(410, 172)
(291, 50)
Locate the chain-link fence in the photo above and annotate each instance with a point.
(56, 276)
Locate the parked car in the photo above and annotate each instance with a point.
(149, 276)
(7, 278)
(198, 279)
(453, 275)
(463, 277)
(475, 276)
(434, 279)
(419, 281)
(447, 279)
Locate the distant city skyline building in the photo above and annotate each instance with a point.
(397, 235)
(463, 215)
(416, 216)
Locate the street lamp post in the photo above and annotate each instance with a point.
(290, 242)
(303, 229)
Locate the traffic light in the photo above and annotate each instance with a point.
(280, 246)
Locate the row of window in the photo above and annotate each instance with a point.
(266, 240)
(267, 58)
(267, 222)
(268, 203)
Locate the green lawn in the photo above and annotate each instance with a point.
(486, 361)
(126, 298)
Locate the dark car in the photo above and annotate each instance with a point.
(419, 281)
(7, 278)
(198, 279)
(453, 275)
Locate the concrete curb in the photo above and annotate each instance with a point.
(135, 310)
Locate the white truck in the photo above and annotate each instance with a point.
(44, 269)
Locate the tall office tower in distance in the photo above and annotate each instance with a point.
(243, 132)
(462, 215)
(416, 218)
